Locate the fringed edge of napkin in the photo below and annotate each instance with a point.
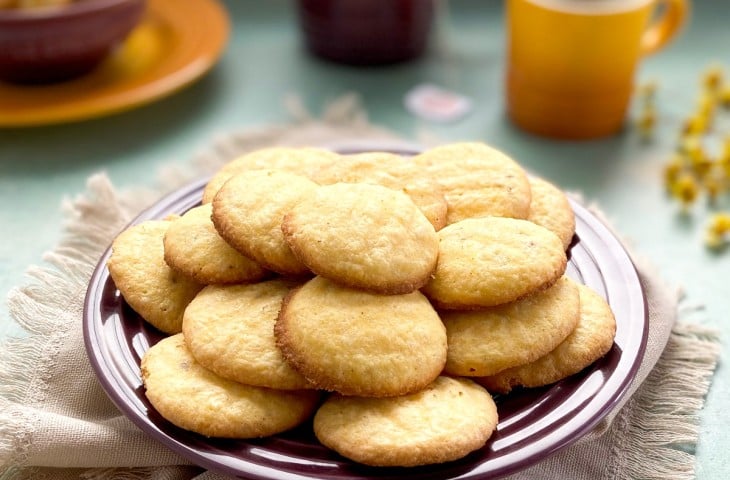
(661, 434)
(656, 426)
(26, 363)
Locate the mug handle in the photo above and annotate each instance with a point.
(664, 28)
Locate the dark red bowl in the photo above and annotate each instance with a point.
(50, 44)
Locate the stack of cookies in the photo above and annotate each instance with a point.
(385, 297)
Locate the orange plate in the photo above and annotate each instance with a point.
(176, 42)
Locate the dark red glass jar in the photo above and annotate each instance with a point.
(366, 32)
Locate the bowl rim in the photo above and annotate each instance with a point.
(82, 7)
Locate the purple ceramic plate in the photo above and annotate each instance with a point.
(533, 424)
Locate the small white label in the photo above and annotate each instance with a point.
(437, 104)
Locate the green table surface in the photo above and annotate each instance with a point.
(265, 61)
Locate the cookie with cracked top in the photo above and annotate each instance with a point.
(551, 209)
(299, 160)
(196, 399)
(359, 343)
(229, 329)
(392, 171)
(155, 291)
(492, 339)
(248, 212)
(363, 236)
(489, 261)
(591, 340)
(194, 248)
(477, 180)
(443, 422)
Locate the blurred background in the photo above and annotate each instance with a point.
(266, 69)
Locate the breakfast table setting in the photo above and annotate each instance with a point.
(116, 113)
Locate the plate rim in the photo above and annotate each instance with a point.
(200, 459)
(94, 104)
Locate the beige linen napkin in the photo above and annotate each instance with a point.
(57, 423)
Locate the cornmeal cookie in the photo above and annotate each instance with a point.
(362, 168)
(477, 181)
(430, 201)
(493, 260)
(137, 265)
(551, 209)
(360, 343)
(194, 248)
(248, 211)
(445, 421)
(196, 399)
(392, 171)
(230, 331)
(591, 340)
(302, 161)
(487, 341)
(363, 236)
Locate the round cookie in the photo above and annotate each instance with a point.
(430, 201)
(248, 211)
(301, 161)
(363, 167)
(363, 236)
(392, 171)
(551, 209)
(591, 340)
(198, 400)
(447, 420)
(489, 261)
(360, 343)
(487, 341)
(477, 181)
(194, 248)
(230, 331)
(137, 265)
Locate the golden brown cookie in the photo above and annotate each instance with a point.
(362, 168)
(363, 236)
(230, 331)
(477, 180)
(443, 422)
(487, 341)
(551, 209)
(360, 343)
(591, 340)
(392, 171)
(194, 248)
(248, 211)
(493, 260)
(137, 265)
(301, 161)
(196, 399)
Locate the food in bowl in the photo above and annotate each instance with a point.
(42, 44)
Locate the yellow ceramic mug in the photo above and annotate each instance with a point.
(571, 63)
